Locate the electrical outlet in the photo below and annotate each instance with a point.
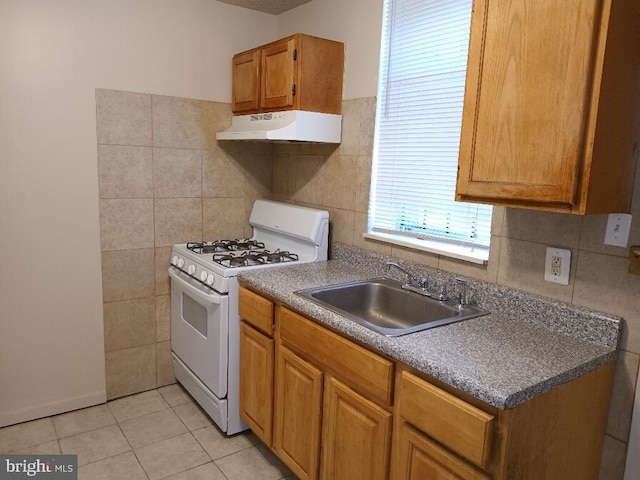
(557, 265)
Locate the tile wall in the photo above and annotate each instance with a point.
(337, 179)
(163, 179)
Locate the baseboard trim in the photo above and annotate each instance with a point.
(33, 412)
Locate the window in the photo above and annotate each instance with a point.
(423, 63)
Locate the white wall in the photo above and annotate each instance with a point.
(52, 57)
(357, 23)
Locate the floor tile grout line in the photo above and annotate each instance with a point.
(17, 451)
(87, 431)
(53, 424)
(105, 458)
(135, 454)
(233, 453)
(198, 466)
(188, 469)
(134, 395)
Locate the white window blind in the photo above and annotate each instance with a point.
(420, 96)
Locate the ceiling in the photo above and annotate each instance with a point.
(273, 7)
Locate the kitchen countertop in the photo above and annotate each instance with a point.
(503, 359)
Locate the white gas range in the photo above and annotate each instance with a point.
(205, 326)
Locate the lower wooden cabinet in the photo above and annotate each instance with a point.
(256, 381)
(297, 413)
(451, 421)
(324, 428)
(356, 435)
(332, 409)
(417, 457)
(437, 435)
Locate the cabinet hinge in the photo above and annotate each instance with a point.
(293, 90)
(295, 54)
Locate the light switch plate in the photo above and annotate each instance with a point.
(618, 227)
(557, 265)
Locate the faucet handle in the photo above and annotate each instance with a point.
(462, 290)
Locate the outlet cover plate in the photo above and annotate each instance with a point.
(557, 265)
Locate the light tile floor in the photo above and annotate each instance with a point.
(159, 434)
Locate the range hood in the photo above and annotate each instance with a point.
(290, 125)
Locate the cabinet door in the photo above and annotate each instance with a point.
(417, 457)
(298, 410)
(528, 101)
(256, 381)
(355, 435)
(246, 82)
(278, 75)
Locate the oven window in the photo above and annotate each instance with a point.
(194, 314)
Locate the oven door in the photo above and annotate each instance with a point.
(200, 330)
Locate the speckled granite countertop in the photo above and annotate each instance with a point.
(525, 347)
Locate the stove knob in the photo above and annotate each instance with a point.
(209, 279)
(203, 276)
(180, 263)
(174, 260)
(191, 269)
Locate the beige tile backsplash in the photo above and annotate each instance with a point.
(127, 274)
(222, 174)
(555, 229)
(163, 318)
(177, 220)
(125, 172)
(129, 323)
(130, 370)
(335, 178)
(123, 118)
(177, 122)
(126, 223)
(223, 217)
(162, 178)
(177, 172)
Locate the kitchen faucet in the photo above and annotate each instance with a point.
(421, 283)
(421, 286)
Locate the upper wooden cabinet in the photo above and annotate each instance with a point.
(552, 105)
(246, 81)
(299, 72)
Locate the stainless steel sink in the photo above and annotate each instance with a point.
(383, 306)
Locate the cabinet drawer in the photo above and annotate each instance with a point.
(463, 428)
(256, 310)
(367, 371)
(418, 457)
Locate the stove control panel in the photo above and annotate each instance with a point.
(199, 272)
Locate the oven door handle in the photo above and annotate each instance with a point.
(194, 289)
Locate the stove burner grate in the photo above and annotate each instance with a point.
(279, 257)
(252, 258)
(217, 246)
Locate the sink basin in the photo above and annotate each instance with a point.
(383, 306)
